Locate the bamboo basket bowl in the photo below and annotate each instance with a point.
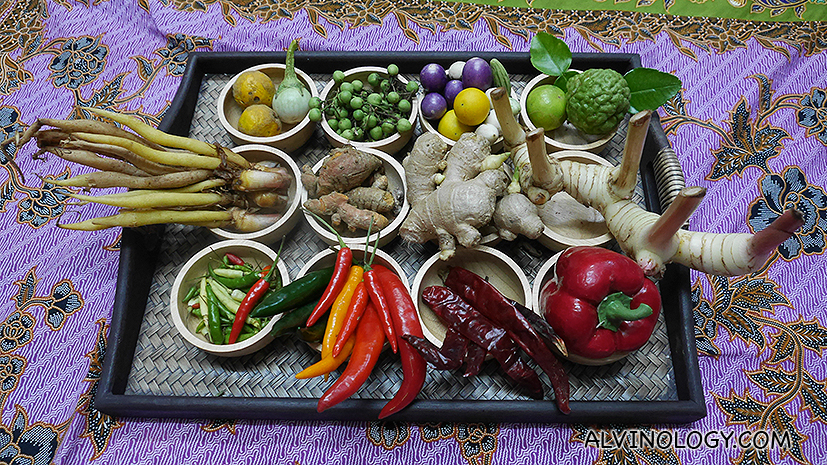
(257, 153)
(569, 223)
(291, 138)
(502, 272)
(391, 144)
(566, 137)
(545, 274)
(196, 267)
(396, 185)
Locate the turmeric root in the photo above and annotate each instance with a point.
(371, 198)
(326, 205)
(340, 211)
(343, 170)
(357, 218)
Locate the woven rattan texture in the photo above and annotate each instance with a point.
(164, 364)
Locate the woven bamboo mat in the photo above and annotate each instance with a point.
(165, 365)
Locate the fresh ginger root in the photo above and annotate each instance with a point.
(514, 215)
(650, 239)
(464, 201)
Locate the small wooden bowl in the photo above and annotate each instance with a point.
(569, 223)
(391, 144)
(545, 274)
(291, 138)
(194, 269)
(256, 153)
(396, 185)
(500, 269)
(566, 137)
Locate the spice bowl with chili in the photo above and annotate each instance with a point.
(500, 270)
(286, 201)
(210, 290)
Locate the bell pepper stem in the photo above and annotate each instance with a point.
(616, 308)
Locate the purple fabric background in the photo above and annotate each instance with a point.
(49, 371)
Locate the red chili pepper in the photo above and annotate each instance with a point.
(486, 299)
(344, 258)
(405, 321)
(264, 271)
(601, 303)
(250, 300)
(354, 312)
(377, 296)
(233, 259)
(369, 340)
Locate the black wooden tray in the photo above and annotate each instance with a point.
(139, 258)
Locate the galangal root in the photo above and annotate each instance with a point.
(351, 189)
(453, 205)
(172, 179)
(650, 239)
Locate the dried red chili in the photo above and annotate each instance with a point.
(484, 297)
(472, 324)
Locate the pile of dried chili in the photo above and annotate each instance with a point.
(491, 323)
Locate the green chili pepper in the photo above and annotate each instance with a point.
(293, 319)
(314, 333)
(214, 317)
(192, 293)
(294, 294)
(244, 281)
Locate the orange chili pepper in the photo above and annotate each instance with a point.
(329, 363)
(354, 313)
(339, 310)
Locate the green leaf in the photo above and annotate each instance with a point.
(650, 88)
(549, 54)
(563, 80)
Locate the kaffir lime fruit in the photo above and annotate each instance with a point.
(253, 87)
(546, 107)
(471, 106)
(259, 121)
(451, 127)
(597, 100)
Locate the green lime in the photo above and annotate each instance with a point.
(546, 107)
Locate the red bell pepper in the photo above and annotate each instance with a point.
(601, 304)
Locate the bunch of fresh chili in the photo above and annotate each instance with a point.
(211, 301)
(405, 322)
(368, 345)
(254, 295)
(344, 259)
